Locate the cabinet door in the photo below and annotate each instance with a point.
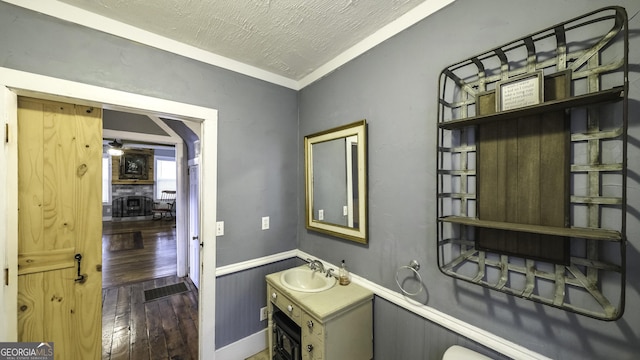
(350, 335)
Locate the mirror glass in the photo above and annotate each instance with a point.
(335, 164)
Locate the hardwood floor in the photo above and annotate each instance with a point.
(262, 355)
(164, 328)
(132, 262)
(122, 264)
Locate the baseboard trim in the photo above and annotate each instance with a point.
(458, 326)
(243, 348)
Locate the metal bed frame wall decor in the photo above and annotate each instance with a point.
(532, 166)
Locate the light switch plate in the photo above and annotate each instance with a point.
(265, 222)
(219, 228)
(321, 214)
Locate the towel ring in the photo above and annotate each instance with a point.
(414, 266)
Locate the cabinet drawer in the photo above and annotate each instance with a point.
(311, 326)
(317, 348)
(283, 303)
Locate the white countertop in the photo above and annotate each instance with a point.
(325, 304)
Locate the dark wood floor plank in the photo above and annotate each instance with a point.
(160, 282)
(191, 301)
(110, 297)
(139, 340)
(175, 343)
(148, 285)
(173, 279)
(188, 328)
(157, 342)
(121, 327)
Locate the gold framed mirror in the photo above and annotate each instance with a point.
(336, 181)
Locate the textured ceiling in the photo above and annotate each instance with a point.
(290, 38)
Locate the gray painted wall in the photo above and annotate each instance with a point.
(258, 130)
(394, 86)
(401, 334)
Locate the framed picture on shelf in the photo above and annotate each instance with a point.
(134, 166)
(520, 91)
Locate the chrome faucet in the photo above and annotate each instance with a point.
(316, 265)
(330, 273)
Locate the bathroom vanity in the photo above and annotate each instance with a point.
(336, 323)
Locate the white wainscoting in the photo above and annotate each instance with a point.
(258, 341)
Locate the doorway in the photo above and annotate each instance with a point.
(148, 310)
(16, 83)
(142, 227)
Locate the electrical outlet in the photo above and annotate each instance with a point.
(263, 313)
(265, 223)
(321, 214)
(219, 228)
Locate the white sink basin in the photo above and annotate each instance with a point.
(306, 280)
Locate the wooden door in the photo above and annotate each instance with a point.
(194, 226)
(59, 216)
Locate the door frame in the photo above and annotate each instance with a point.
(194, 223)
(14, 83)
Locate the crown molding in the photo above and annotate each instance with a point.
(101, 23)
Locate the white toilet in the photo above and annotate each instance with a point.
(457, 352)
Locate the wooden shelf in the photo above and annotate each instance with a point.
(583, 233)
(614, 94)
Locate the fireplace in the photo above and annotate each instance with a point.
(133, 203)
(131, 206)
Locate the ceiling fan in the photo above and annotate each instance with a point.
(115, 148)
